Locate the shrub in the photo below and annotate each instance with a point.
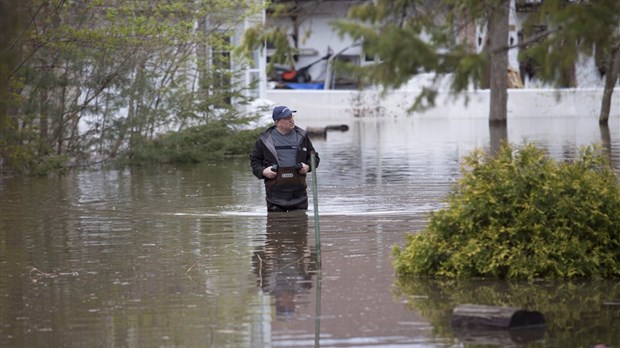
(521, 214)
(27, 159)
(211, 142)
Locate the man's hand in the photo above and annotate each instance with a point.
(304, 168)
(268, 173)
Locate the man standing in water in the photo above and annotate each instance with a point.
(281, 157)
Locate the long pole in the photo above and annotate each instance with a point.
(317, 233)
(317, 319)
(315, 198)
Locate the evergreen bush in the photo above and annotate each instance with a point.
(521, 214)
(213, 141)
(33, 158)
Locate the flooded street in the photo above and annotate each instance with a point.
(186, 256)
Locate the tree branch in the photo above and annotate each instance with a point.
(525, 43)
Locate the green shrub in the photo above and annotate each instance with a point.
(50, 164)
(26, 160)
(521, 214)
(211, 142)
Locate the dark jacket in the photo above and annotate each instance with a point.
(287, 190)
(264, 154)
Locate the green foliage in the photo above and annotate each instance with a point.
(49, 164)
(521, 214)
(28, 160)
(256, 36)
(416, 36)
(412, 37)
(571, 29)
(104, 74)
(214, 141)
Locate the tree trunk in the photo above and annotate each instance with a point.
(472, 315)
(498, 38)
(43, 123)
(133, 102)
(610, 81)
(124, 127)
(60, 119)
(104, 124)
(605, 138)
(498, 134)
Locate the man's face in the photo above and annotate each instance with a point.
(286, 124)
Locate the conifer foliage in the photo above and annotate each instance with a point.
(410, 37)
(570, 31)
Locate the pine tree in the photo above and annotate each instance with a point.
(574, 29)
(417, 36)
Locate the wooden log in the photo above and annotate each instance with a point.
(338, 127)
(498, 337)
(322, 131)
(316, 131)
(472, 315)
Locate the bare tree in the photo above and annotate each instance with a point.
(498, 37)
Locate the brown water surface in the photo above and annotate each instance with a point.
(186, 256)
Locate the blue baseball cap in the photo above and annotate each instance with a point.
(281, 111)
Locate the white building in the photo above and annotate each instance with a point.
(310, 30)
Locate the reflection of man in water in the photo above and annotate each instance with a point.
(284, 266)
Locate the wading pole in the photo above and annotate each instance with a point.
(317, 233)
(317, 318)
(317, 228)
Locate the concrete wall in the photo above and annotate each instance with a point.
(522, 103)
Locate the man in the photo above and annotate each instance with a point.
(281, 157)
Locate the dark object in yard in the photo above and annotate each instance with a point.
(471, 315)
(340, 127)
(322, 131)
(302, 75)
(498, 337)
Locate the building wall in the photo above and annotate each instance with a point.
(330, 105)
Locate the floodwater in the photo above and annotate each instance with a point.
(186, 256)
